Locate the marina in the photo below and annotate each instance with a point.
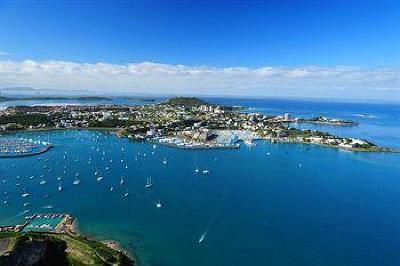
(19, 147)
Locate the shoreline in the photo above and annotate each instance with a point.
(378, 149)
(113, 244)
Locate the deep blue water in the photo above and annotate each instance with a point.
(300, 205)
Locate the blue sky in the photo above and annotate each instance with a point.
(284, 34)
(363, 33)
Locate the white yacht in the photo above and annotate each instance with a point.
(158, 204)
(149, 182)
(206, 171)
(76, 181)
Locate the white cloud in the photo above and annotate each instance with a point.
(2, 53)
(148, 77)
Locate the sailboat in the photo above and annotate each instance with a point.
(122, 181)
(149, 182)
(26, 194)
(76, 181)
(43, 181)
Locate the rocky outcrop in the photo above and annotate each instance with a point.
(44, 251)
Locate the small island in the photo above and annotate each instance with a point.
(324, 120)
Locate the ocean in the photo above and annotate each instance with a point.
(270, 204)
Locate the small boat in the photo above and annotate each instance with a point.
(26, 204)
(158, 204)
(206, 171)
(122, 181)
(107, 168)
(111, 189)
(96, 173)
(76, 181)
(43, 182)
(149, 182)
(99, 178)
(196, 170)
(26, 194)
(60, 188)
(164, 161)
(202, 237)
(126, 193)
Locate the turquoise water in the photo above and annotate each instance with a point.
(300, 205)
(34, 225)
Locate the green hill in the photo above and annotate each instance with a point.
(49, 249)
(186, 101)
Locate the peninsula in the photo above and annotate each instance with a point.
(181, 122)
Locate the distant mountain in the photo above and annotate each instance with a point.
(17, 89)
(30, 92)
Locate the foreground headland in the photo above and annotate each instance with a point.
(183, 123)
(53, 239)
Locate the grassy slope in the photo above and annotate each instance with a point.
(79, 250)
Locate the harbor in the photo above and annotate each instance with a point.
(20, 147)
(48, 222)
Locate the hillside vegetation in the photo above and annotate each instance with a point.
(47, 249)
